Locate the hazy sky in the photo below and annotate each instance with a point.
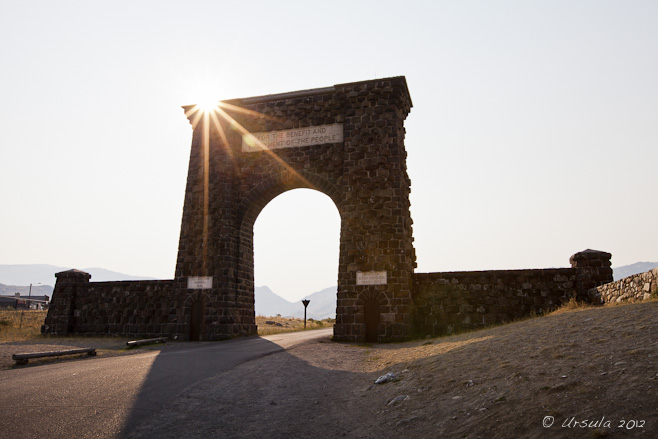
(534, 131)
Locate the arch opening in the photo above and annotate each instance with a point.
(296, 252)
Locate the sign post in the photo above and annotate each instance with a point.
(305, 302)
(29, 296)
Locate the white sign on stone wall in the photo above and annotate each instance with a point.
(199, 282)
(293, 138)
(371, 278)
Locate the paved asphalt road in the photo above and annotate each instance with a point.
(108, 397)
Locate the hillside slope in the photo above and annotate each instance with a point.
(581, 374)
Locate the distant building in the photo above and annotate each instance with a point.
(24, 302)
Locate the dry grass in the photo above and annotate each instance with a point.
(12, 329)
(276, 325)
(574, 305)
(18, 325)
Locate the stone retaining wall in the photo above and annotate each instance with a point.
(634, 288)
(144, 309)
(454, 302)
(130, 308)
(458, 301)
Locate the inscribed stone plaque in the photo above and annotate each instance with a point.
(199, 282)
(371, 278)
(296, 137)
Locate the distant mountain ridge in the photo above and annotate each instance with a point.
(629, 270)
(44, 274)
(322, 305)
(269, 304)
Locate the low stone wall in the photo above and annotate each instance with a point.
(144, 309)
(454, 302)
(634, 288)
(126, 308)
(132, 308)
(457, 301)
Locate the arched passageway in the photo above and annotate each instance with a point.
(296, 248)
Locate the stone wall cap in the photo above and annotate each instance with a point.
(591, 254)
(73, 273)
(589, 250)
(287, 95)
(309, 92)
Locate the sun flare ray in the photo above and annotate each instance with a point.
(234, 123)
(211, 111)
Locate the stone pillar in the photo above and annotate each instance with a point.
(593, 268)
(60, 319)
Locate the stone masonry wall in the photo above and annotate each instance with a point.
(593, 269)
(365, 175)
(636, 288)
(128, 308)
(454, 302)
(458, 301)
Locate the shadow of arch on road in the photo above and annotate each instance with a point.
(213, 389)
(310, 390)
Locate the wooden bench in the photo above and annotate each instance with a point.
(24, 358)
(146, 341)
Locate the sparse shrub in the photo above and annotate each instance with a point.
(571, 305)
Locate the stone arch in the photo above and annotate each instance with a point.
(196, 296)
(373, 293)
(346, 141)
(260, 195)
